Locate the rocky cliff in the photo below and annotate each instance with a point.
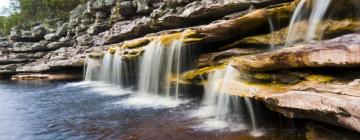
(312, 79)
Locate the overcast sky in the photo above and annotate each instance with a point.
(4, 3)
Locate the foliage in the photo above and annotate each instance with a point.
(26, 12)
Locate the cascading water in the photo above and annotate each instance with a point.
(158, 71)
(301, 13)
(272, 30)
(108, 70)
(225, 111)
(157, 67)
(91, 69)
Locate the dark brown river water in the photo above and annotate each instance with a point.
(83, 111)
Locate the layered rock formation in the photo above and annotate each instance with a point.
(298, 81)
(99, 22)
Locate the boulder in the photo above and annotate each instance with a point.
(341, 52)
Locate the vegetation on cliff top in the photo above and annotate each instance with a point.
(25, 13)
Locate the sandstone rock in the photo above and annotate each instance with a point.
(38, 32)
(14, 58)
(57, 45)
(143, 6)
(328, 28)
(316, 131)
(63, 58)
(343, 52)
(29, 47)
(204, 11)
(102, 5)
(50, 77)
(84, 39)
(100, 17)
(97, 28)
(222, 57)
(51, 37)
(126, 29)
(5, 44)
(9, 69)
(15, 33)
(325, 107)
(122, 10)
(61, 31)
(252, 21)
(35, 35)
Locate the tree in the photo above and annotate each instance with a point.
(26, 12)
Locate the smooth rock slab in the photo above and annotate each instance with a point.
(331, 108)
(341, 52)
(37, 76)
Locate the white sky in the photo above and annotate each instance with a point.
(4, 3)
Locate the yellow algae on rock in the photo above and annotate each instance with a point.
(187, 37)
(191, 75)
(320, 78)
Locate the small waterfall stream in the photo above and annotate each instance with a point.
(272, 30)
(91, 69)
(317, 11)
(158, 66)
(227, 111)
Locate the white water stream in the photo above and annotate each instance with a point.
(317, 10)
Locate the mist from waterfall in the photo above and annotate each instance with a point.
(311, 11)
(222, 110)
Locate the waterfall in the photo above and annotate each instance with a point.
(91, 69)
(110, 69)
(272, 30)
(158, 66)
(226, 111)
(118, 70)
(318, 10)
(107, 68)
(158, 69)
